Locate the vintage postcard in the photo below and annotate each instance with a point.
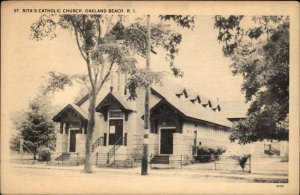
(149, 97)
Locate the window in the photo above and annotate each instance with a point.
(74, 124)
(115, 114)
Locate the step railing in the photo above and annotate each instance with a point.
(112, 152)
(99, 142)
(269, 149)
(274, 150)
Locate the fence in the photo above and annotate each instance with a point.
(56, 158)
(196, 162)
(201, 162)
(22, 158)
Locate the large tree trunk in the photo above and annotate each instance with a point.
(90, 130)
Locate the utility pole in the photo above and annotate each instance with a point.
(144, 167)
(21, 148)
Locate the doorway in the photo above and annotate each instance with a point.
(72, 145)
(166, 141)
(115, 131)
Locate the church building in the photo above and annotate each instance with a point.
(181, 119)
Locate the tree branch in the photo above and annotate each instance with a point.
(83, 25)
(88, 63)
(77, 41)
(107, 74)
(78, 44)
(108, 25)
(99, 29)
(96, 72)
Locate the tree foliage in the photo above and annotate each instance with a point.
(185, 21)
(260, 54)
(35, 126)
(104, 49)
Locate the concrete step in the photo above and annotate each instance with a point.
(63, 156)
(160, 159)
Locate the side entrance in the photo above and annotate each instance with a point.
(72, 145)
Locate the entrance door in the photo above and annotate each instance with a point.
(115, 131)
(72, 141)
(166, 141)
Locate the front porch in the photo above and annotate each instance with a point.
(72, 132)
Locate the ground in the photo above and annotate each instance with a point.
(40, 178)
(23, 176)
(33, 180)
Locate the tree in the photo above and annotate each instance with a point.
(101, 50)
(260, 54)
(35, 126)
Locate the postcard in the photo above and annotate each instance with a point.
(151, 97)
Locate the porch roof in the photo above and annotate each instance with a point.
(110, 98)
(73, 107)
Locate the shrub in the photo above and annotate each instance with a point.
(207, 154)
(242, 160)
(44, 154)
(219, 151)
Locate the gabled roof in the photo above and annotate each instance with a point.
(188, 108)
(194, 112)
(121, 100)
(73, 107)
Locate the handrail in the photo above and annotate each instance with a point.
(98, 142)
(271, 149)
(22, 142)
(274, 150)
(115, 147)
(27, 148)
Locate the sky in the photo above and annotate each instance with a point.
(205, 68)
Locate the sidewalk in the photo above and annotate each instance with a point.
(254, 177)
